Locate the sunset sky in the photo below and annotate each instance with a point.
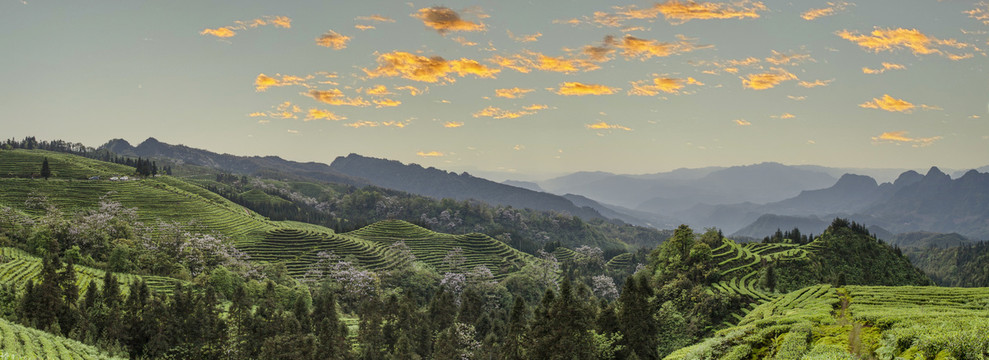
(534, 87)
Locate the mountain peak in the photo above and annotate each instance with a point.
(935, 172)
(907, 178)
(853, 181)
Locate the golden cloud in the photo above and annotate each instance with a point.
(498, 113)
(901, 137)
(364, 27)
(678, 12)
(886, 66)
(606, 126)
(779, 58)
(661, 84)
(524, 38)
(890, 104)
(453, 124)
(767, 80)
(832, 9)
(360, 124)
(783, 116)
(900, 38)
(285, 110)
(463, 41)
(397, 124)
(642, 49)
(427, 69)
(513, 93)
(333, 40)
(529, 60)
(229, 31)
(815, 83)
(414, 91)
(317, 114)
(535, 107)
(430, 153)
(979, 13)
(580, 89)
(378, 90)
(560, 64)
(336, 97)
(257, 114)
(376, 17)
(386, 103)
(443, 20)
(742, 122)
(796, 98)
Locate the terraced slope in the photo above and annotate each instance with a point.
(298, 247)
(19, 342)
(27, 163)
(17, 267)
(432, 247)
(821, 322)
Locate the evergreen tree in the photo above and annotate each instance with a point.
(331, 333)
(46, 171)
(635, 318)
(515, 339)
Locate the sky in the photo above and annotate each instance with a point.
(518, 87)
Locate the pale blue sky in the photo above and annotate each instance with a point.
(91, 71)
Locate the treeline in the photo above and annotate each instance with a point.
(793, 236)
(143, 167)
(966, 265)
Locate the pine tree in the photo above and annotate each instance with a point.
(46, 171)
(515, 341)
(635, 318)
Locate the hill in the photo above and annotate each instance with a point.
(20, 342)
(822, 322)
(770, 223)
(440, 184)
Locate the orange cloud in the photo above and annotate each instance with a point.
(606, 126)
(678, 12)
(378, 90)
(453, 124)
(580, 89)
(376, 17)
(463, 41)
(524, 38)
(742, 122)
(890, 104)
(364, 27)
(833, 8)
(779, 58)
(229, 31)
(336, 97)
(317, 114)
(430, 153)
(560, 64)
(815, 83)
(899, 137)
(333, 40)
(783, 116)
(498, 113)
(386, 103)
(979, 14)
(535, 107)
(360, 124)
(427, 69)
(513, 93)
(886, 66)
(257, 114)
(414, 91)
(642, 49)
(893, 39)
(767, 80)
(529, 60)
(443, 20)
(661, 84)
(285, 110)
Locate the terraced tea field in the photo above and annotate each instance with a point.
(822, 322)
(19, 342)
(18, 267)
(25, 163)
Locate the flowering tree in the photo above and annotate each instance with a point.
(604, 287)
(354, 283)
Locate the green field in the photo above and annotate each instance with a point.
(857, 322)
(19, 342)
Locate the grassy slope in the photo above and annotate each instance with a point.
(821, 322)
(19, 342)
(172, 199)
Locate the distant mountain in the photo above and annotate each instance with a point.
(626, 215)
(668, 193)
(768, 224)
(524, 184)
(437, 183)
(925, 239)
(152, 148)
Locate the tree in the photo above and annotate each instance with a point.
(46, 171)
(517, 328)
(636, 318)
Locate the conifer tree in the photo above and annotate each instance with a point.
(46, 171)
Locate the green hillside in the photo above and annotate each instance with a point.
(22, 163)
(19, 342)
(17, 267)
(857, 322)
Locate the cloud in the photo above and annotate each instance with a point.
(679, 12)
(886, 66)
(443, 20)
(529, 60)
(285, 110)
(375, 17)
(831, 9)
(783, 116)
(317, 114)
(364, 27)
(427, 69)
(606, 126)
(779, 58)
(336, 97)
(661, 84)
(231, 30)
(642, 49)
(535, 107)
(742, 122)
(767, 80)
(890, 104)
(378, 90)
(815, 83)
(900, 38)
(498, 113)
(524, 38)
(257, 114)
(453, 124)
(580, 89)
(900, 137)
(518, 147)
(386, 103)
(979, 13)
(333, 40)
(363, 123)
(513, 93)
(463, 41)
(290, 131)
(430, 153)
(414, 91)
